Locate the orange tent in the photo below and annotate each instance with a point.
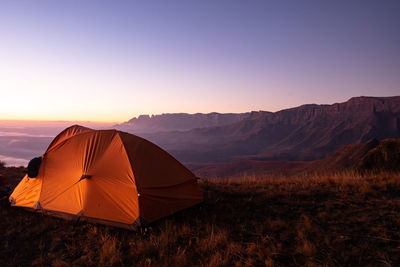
(107, 176)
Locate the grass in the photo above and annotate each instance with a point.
(328, 220)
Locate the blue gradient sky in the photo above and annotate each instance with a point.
(111, 60)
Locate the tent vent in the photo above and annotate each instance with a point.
(85, 176)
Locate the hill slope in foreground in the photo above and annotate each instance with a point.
(372, 155)
(331, 220)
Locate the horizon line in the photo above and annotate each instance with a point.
(190, 113)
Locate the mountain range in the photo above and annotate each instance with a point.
(305, 133)
(179, 122)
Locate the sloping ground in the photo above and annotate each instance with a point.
(385, 156)
(330, 221)
(369, 156)
(344, 158)
(250, 168)
(12, 175)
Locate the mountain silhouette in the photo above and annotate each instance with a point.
(304, 133)
(179, 122)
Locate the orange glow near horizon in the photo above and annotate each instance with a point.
(40, 117)
(58, 118)
(10, 121)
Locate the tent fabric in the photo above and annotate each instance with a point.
(67, 133)
(107, 176)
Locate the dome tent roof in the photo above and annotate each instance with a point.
(107, 176)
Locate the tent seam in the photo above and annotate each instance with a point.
(131, 168)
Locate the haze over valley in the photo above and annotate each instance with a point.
(21, 141)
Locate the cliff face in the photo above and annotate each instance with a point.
(308, 132)
(313, 131)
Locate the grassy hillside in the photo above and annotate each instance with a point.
(331, 220)
(385, 156)
(372, 155)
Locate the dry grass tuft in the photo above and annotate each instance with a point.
(109, 254)
(314, 220)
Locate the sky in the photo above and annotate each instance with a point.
(113, 60)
